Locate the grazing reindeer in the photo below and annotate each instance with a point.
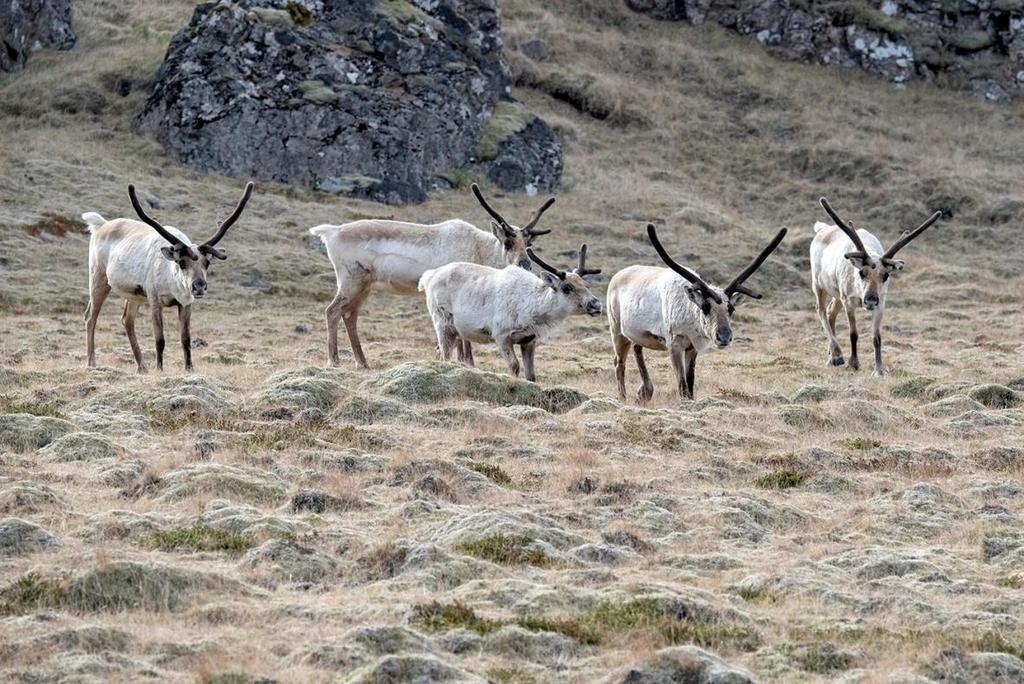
(162, 268)
(851, 271)
(509, 306)
(654, 308)
(393, 255)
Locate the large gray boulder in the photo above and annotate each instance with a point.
(976, 47)
(30, 25)
(381, 99)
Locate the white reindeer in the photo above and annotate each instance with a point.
(654, 308)
(163, 268)
(509, 306)
(848, 269)
(392, 255)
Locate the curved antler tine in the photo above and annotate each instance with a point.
(231, 219)
(546, 266)
(907, 237)
(155, 225)
(843, 226)
(737, 284)
(582, 269)
(487, 207)
(686, 273)
(536, 218)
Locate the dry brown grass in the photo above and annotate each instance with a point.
(728, 145)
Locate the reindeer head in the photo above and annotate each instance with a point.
(572, 285)
(192, 261)
(716, 305)
(873, 272)
(515, 241)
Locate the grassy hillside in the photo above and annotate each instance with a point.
(803, 522)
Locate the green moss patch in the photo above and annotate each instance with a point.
(508, 119)
(200, 537)
(782, 479)
(507, 549)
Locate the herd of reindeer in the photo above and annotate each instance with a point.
(480, 287)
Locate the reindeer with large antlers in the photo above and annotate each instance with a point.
(393, 256)
(148, 262)
(849, 268)
(672, 309)
(509, 306)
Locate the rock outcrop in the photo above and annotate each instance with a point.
(30, 25)
(973, 45)
(381, 99)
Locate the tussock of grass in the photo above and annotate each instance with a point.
(912, 388)
(857, 443)
(758, 595)
(491, 472)
(609, 622)
(506, 549)
(782, 479)
(200, 537)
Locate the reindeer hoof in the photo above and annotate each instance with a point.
(836, 361)
(142, 370)
(644, 394)
(854, 364)
(878, 373)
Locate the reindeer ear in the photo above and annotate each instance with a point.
(695, 295)
(550, 279)
(497, 231)
(169, 253)
(214, 252)
(894, 265)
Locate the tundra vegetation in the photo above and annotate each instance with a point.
(268, 517)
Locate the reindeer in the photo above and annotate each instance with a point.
(393, 256)
(161, 268)
(672, 309)
(852, 272)
(509, 306)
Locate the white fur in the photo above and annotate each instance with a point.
(509, 306)
(649, 306)
(833, 272)
(128, 252)
(836, 283)
(394, 255)
(485, 304)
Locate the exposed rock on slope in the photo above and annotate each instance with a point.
(372, 98)
(974, 46)
(30, 25)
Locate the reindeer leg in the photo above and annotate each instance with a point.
(621, 345)
(128, 319)
(467, 353)
(676, 353)
(185, 324)
(852, 320)
(646, 390)
(691, 368)
(98, 291)
(158, 331)
(528, 349)
(508, 352)
(345, 306)
(876, 338)
(835, 355)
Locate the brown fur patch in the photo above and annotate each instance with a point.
(55, 224)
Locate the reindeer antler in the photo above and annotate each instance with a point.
(850, 232)
(153, 223)
(505, 225)
(908, 237)
(686, 273)
(546, 266)
(231, 219)
(737, 284)
(582, 269)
